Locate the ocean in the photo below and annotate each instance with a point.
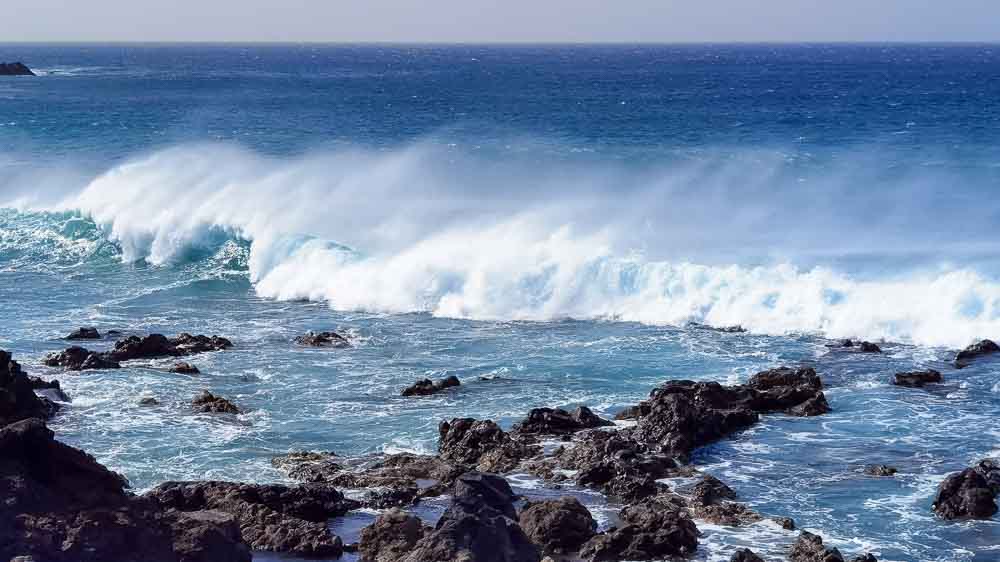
(554, 225)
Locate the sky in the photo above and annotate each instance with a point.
(485, 21)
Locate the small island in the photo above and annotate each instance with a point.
(15, 69)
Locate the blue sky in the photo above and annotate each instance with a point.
(502, 20)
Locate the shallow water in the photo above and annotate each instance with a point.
(541, 223)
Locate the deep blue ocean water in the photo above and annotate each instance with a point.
(549, 218)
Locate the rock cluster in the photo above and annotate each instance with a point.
(916, 379)
(209, 403)
(153, 346)
(556, 421)
(18, 400)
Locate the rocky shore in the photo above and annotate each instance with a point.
(62, 505)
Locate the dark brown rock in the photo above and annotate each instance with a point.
(184, 368)
(77, 358)
(60, 505)
(809, 548)
(558, 526)
(271, 517)
(18, 400)
(967, 494)
(427, 387)
(652, 530)
(975, 351)
(209, 403)
(84, 333)
(479, 526)
(880, 470)
(158, 345)
(556, 421)
(391, 537)
(481, 444)
(745, 555)
(916, 378)
(323, 339)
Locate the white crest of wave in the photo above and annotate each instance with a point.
(408, 230)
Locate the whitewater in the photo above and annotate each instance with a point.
(413, 230)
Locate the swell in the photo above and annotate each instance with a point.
(721, 240)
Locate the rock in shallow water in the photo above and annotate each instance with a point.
(745, 555)
(979, 349)
(18, 399)
(970, 493)
(323, 339)
(84, 333)
(15, 69)
(916, 379)
(651, 530)
(481, 444)
(209, 403)
(184, 368)
(391, 537)
(426, 387)
(556, 421)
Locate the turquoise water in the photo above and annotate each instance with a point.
(547, 218)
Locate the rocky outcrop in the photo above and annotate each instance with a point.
(880, 470)
(391, 537)
(745, 555)
(18, 400)
(481, 444)
(558, 526)
(84, 333)
(77, 358)
(389, 480)
(480, 525)
(184, 368)
(60, 505)
(209, 403)
(683, 415)
(970, 493)
(862, 346)
(153, 346)
(916, 379)
(653, 529)
(975, 351)
(15, 69)
(809, 548)
(426, 387)
(556, 421)
(158, 345)
(271, 517)
(323, 339)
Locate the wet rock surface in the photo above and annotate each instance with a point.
(77, 358)
(18, 399)
(979, 349)
(84, 333)
(207, 402)
(745, 555)
(917, 379)
(970, 493)
(654, 529)
(480, 525)
(184, 368)
(556, 421)
(391, 537)
(559, 526)
(426, 387)
(322, 339)
(271, 517)
(880, 470)
(810, 548)
(481, 444)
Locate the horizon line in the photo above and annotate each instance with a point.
(499, 43)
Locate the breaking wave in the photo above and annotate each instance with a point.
(724, 239)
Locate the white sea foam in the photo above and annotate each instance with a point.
(409, 230)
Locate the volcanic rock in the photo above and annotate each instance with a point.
(916, 378)
(975, 351)
(560, 422)
(323, 339)
(652, 530)
(84, 333)
(559, 526)
(427, 387)
(209, 403)
(15, 69)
